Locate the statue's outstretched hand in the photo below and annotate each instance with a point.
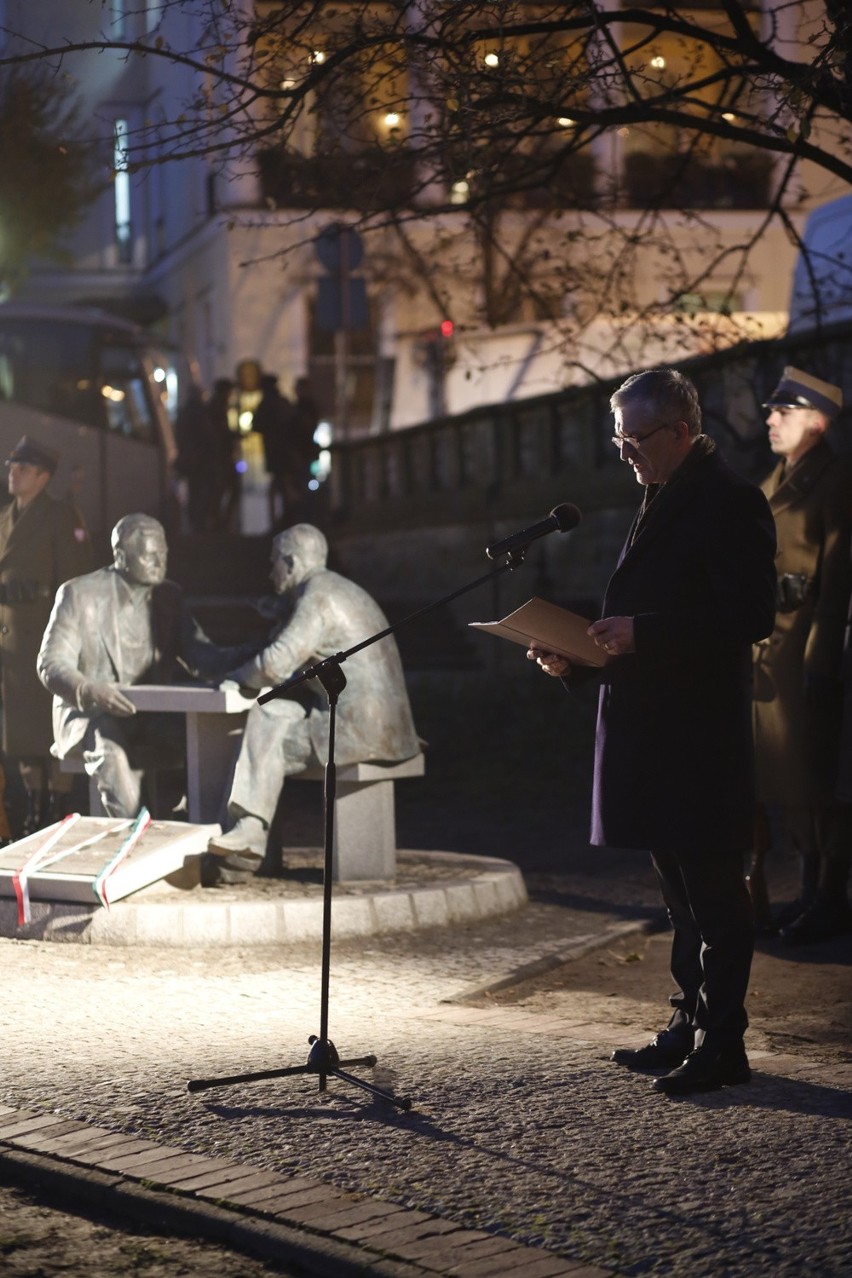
(106, 697)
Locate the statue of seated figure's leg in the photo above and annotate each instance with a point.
(276, 742)
(119, 785)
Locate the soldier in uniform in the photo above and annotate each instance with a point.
(43, 542)
(798, 690)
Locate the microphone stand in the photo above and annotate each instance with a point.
(323, 1058)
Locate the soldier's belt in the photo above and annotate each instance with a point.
(792, 590)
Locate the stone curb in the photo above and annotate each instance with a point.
(479, 888)
(168, 1214)
(326, 1232)
(575, 949)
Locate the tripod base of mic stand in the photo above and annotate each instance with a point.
(322, 1060)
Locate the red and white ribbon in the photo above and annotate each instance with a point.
(35, 862)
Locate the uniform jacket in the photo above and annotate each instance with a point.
(43, 547)
(673, 758)
(82, 643)
(798, 668)
(328, 614)
(844, 762)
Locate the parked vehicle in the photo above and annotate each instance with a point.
(104, 394)
(822, 281)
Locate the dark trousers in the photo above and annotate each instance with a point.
(710, 912)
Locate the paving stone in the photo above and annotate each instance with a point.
(163, 1169)
(407, 1224)
(29, 1123)
(312, 1193)
(248, 1180)
(46, 1143)
(445, 1250)
(135, 1155)
(223, 1174)
(323, 1209)
(374, 1227)
(89, 1143)
(200, 1166)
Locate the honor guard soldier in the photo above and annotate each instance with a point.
(798, 690)
(43, 542)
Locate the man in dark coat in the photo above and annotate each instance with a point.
(271, 420)
(43, 542)
(125, 624)
(797, 671)
(840, 864)
(693, 589)
(323, 614)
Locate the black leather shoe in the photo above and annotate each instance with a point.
(789, 913)
(669, 1048)
(818, 923)
(705, 1070)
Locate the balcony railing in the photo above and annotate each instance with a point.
(372, 178)
(379, 177)
(677, 181)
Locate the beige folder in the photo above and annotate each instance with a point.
(545, 625)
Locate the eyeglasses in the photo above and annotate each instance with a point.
(635, 440)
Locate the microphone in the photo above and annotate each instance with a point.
(562, 519)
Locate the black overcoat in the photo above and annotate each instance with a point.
(45, 545)
(674, 759)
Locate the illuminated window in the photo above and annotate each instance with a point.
(123, 231)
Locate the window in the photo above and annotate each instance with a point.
(77, 371)
(123, 387)
(49, 367)
(123, 228)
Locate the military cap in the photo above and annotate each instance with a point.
(800, 390)
(30, 450)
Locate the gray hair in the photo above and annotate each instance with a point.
(665, 393)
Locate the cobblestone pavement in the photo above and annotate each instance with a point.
(521, 1125)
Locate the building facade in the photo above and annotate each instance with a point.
(212, 230)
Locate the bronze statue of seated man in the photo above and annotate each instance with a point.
(123, 625)
(322, 614)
